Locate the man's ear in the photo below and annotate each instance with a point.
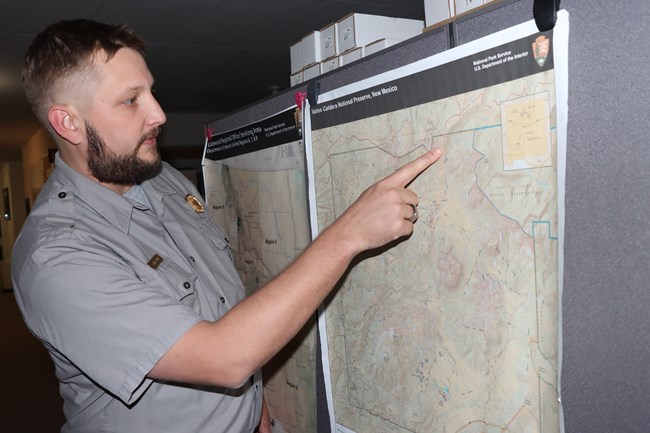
(63, 120)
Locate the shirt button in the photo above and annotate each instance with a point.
(62, 195)
(192, 259)
(223, 300)
(186, 285)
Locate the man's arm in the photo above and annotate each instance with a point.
(226, 352)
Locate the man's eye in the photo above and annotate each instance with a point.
(130, 101)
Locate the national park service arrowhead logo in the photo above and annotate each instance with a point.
(541, 47)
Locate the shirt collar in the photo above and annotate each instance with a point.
(137, 197)
(115, 208)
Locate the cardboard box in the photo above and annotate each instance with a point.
(295, 52)
(379, 45)
(311, 49)
(466, 5)
(310, 72)
(436, 11)
(351, 56)
(296, 78)
(328, 44)
(330, 64)
(358, 30)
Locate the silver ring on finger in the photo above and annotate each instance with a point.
(413, 217)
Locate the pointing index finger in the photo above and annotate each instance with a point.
(404, 175)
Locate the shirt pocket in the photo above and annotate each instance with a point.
(181, 283)
(215, 236)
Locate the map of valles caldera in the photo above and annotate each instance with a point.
(454, 330)
(259, 200)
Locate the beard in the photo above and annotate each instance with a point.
(108, 167)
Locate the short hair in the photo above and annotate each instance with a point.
(65, 49)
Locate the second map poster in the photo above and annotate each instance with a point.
(255, 190)
(457, 328)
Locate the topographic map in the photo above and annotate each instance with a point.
(258, 198)
(454, 330)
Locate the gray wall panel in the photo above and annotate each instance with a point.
(606, 298)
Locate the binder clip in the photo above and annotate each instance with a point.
(313, 92)
(545, 13)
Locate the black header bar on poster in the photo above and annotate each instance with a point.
(523, 57)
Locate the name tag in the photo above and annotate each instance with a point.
(155, 261)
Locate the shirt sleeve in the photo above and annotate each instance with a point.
(113, 323)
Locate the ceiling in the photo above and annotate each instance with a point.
(213, 56)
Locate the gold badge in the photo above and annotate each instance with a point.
(155, 261)
(195, 203)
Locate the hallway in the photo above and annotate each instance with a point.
(30, 397)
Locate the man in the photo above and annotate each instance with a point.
(129, 283)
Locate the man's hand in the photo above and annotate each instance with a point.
(383, 212)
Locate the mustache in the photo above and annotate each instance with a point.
(152, 133)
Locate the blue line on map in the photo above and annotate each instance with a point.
(547, 223)
(498, 125)
(487, 197)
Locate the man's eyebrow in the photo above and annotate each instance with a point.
(137, 88)
(131, 90)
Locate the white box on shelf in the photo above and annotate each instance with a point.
(358, 30)
(379, 45)
(328, 44)
(330, 64)
(466, 5)
(311, 49)
(296, 78)
(311, 72)
(436, 11)
(351, 55)
(295, 52)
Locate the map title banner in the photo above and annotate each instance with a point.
(271, 132)
(516, 59)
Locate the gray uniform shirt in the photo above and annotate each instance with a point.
(109, 285)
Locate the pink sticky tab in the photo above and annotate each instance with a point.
(208, 133)
(300, 98)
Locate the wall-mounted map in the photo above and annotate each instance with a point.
(454, 330)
